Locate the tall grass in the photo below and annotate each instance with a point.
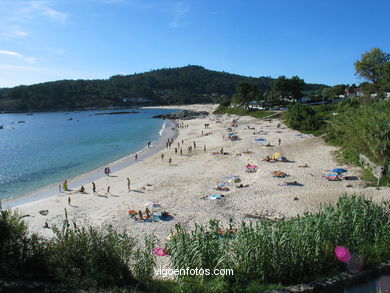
(288, 251)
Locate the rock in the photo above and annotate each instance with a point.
(183, 115)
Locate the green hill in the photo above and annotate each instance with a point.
(184, 85)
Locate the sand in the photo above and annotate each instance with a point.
(179, 187)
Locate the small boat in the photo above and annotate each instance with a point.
(21, 121)
(70, 118)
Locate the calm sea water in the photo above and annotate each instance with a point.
(50, 147)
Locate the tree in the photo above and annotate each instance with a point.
(372, 65)
(289, 87)
(245, 93)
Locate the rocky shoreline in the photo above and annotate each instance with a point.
(184, 115)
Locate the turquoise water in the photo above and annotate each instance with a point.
(50, 147)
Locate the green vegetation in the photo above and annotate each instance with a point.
(363, 128)
(287, 252)
(304, 118)
(263, 255)
(243, 112)
(185, 85)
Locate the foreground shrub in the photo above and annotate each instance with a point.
(21, 255)
(88, 257)
(289, 251)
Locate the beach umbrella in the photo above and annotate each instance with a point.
(132, 212)
(339, 170)
(276, 156)
(331, 175)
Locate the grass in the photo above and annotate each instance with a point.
(263, 255)
(287, 252)
(243, 112)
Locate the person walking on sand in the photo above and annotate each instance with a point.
(94, 188)
(108, 191)
(69, 201)
(204, 148)
(59, 187)
(136, 157)
(175, 150)
(66, 185)
(170, 161)
(162, 157)
(128, 184)
(194, 145)
(280, 140)
(221, 151)
(181, 151)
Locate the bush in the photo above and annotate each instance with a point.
(87, 257)
(364, 129)
(303, 117)
(21, 255)
(289, 251)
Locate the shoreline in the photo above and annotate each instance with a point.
(180, 187)
(95, 174)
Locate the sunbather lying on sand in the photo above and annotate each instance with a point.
(222, 188)
(267, 158)
(241, 186)
(303, 166)
(247, 152)
(294, 183)
(279, 174)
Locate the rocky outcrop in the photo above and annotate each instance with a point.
(184, 115)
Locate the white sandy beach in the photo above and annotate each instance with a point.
(179, 187)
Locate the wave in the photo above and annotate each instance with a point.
(162, 129)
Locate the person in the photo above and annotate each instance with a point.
(82, 189)
(128, 184)
(267, 158)
(162, 157)
(59, 187)
(141, 217)
(221, 151)
(136, 157)
(69, 201)
(280, 140)
(108, 171)
(204, 148)
(148, 214)
(181, 151)
(175, 150)
(170, 161)
(66, 185)
(194, 145)
(94, 188)
(46, 225)
(108, 191)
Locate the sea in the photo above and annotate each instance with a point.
(45, 148)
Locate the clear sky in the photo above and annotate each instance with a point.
(318, 40)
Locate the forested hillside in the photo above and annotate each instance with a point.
(184, 85)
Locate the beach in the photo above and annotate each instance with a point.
(180, 187)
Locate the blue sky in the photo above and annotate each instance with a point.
(318, 40)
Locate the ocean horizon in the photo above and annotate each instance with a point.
(46, 148)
